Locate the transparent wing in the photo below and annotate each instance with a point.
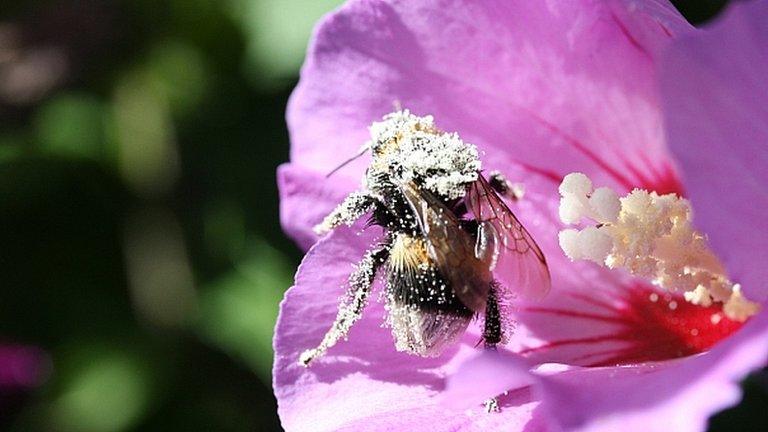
(451, 248)
(502, 241)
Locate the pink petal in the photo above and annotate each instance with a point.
(712, 83)
(677, 395)
(560, 86)
(718, 127)
(550, 88)
(531, 98)
(362, 383)
(553, 88)
(306, 197)
(487, 374)
(715, 94)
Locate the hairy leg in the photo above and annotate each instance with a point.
(352, 304)
(354, 206)
(493, 331)
(504, 187)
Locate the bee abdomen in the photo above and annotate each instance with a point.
(425, 333)
(414, 280)
(424, 312)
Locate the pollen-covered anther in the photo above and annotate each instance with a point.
(591, 243)
(605, 204)
(651, 236)
(738, 307)
(572, 209)
(569, 243)
(575, 184)
(699, 296)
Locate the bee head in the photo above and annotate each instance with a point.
(408, 148)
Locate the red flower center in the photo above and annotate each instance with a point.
(651, 327)
(667, 328)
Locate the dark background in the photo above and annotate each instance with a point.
(140, 246)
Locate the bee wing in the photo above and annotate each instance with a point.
(514, 257)
(451, 248)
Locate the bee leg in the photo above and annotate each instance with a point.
(504, 187)
(492, 328)
(352, 304)
(492, 335)
(351, 209)
(498, 182)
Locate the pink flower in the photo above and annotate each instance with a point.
(543, 89)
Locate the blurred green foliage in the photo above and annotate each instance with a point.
(141, 246)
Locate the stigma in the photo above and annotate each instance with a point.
(652, 237)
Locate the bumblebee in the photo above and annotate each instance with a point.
(452, 249)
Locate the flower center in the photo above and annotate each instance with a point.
(660, 327)
(641, 324)
(652, 237)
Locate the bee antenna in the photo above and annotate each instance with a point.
(362, 151)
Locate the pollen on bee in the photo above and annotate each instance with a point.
(413, 147)
(409, 253)
(651, 236)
